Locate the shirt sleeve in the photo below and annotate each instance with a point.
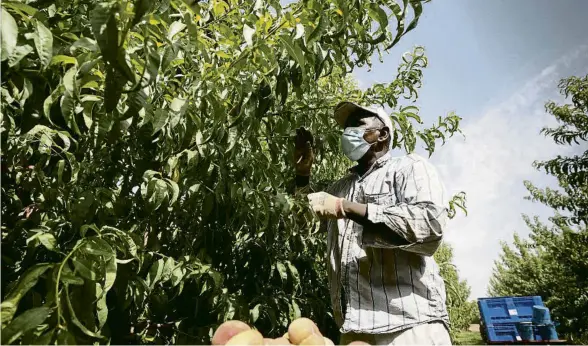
(417, 221)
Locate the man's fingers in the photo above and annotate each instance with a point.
(301, 329)
(228, 330)
(328, 342)
(313, 197)
(249, 337)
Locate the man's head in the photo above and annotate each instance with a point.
(371, 125)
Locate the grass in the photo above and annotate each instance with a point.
(468, 338)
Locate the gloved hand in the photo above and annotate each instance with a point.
(326, 206)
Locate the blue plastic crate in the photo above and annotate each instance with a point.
(507, 332)
(507, 309)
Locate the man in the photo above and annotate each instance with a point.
(385, 220)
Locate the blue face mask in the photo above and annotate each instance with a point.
(353, 144)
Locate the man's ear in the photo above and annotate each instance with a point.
(384, 134)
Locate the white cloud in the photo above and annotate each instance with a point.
(491, 164)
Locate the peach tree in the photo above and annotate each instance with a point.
(146, 159)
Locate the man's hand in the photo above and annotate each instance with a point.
(326, 206)
(303, 153)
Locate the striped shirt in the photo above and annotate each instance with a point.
(384, 279)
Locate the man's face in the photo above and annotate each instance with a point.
(366, 121)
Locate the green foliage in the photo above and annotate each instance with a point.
(553, 262)
(146, 154)
(461, 311)
(571, 172)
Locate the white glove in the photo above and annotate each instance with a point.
(326, 206)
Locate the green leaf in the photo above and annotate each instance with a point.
(69, 81)
(110, 275)
(18, 54)
(248, 34)
(76, 321)
(379, 15)
(67, 110)
(418, 10)
(152, 66)
(38, 129)
(101, 307)
(318, 31)
(177, 276)
(174, 29)
(294, 273)
(25, 322)
(9, 34)
(167, 269)
(60, 168)
(222, 54)
(136, 101)
(216, 277)
(85, 268)
(27, 90)
(175, 190)
(104, 27)
(141, 8)
(155, 273)
(44, 339)
(20, 7)
(64, 60)
(294, 51)
(150, 174)
(98, 247)
(45, 144)
(254, 313)
(88, 66)
(69, 278)
(54, 96)
(64, 337)
(159, 194)
(27, 281)
(125, 238)
(282, 270)
(299, 31)
(46, 239)
(75, 167)
(294, 310)
(85, 43)
(65, 137)
(178, 105)
(84, 229)
(160, 117)
(43, 42)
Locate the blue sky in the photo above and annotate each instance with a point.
(494, 63)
